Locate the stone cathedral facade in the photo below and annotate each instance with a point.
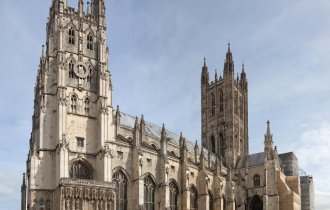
(86, 155)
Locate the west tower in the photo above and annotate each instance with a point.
(224, 103)
(72, 121)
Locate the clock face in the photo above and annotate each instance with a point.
(80, 69)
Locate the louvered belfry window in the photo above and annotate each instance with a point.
(173, 196)
(149, 194)
(71, 36)
(121, 180)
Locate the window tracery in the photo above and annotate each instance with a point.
(173, 195)
(121, 180)
(193, 198)
(90, 45)
(71, 36)
(86, 106)
(80, 170)
(73, 106)
(149, 193)
(71, 69)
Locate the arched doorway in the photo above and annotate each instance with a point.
(256, 203)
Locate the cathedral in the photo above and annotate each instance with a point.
(87, 155)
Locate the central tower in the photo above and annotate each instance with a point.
(72, 121)
(224, 114)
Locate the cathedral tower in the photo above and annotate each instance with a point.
(72, 121)
(224, 114)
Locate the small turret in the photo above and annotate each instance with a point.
(269, 152)
(216, 76)
(201, 160)
(81, 7)
(228, 71)
(163, 140)
(243, 81)
(205, 73)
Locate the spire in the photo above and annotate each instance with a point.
(201, 160)
(43, 51)
(228, 71)
(23, 183)
(268, 129)
(205, 73)
(136, 124)
(243, 78)
(118, 111)
(269, 152)
(196, 145)
(181, 142)
(216, 75)
(163, 133)
(142, 120)
(81, 7)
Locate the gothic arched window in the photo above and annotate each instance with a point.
(86, 106)
(71, 69)
(173, 196)
(90, 41)
(256, 180)
(213, 149)
(212, 104)
(256, 203)
(193, 198)
(71, 36)
(221, 101)
(80, 170)
(210, 201)
(73, 104)
(90, 74)
(149, 193)
(121, 180)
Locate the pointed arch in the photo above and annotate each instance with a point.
(256, 180)
(221, 108)
(90, 73)
(73, 103)
(149, 192)
(87, 104)
(90, 41)
(174, 193)
(213, 144)
(212, 104)
(71, 69)
(193, 198)
(81, 169)
(256, 203)
(72, 35)
(121, 180)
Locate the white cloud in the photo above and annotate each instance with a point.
(313, 149)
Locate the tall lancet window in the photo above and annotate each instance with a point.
(173, 195)
(256, 180)
(72, 36)
(86, 106)
(90, 44)
(213, 149)
(73, 106)
(221, 101)
(212, 105)
(71, 69)
(90, 74)
(193, 198)
(121, 180)
(149, 194)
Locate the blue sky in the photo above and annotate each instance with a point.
(156, 53)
